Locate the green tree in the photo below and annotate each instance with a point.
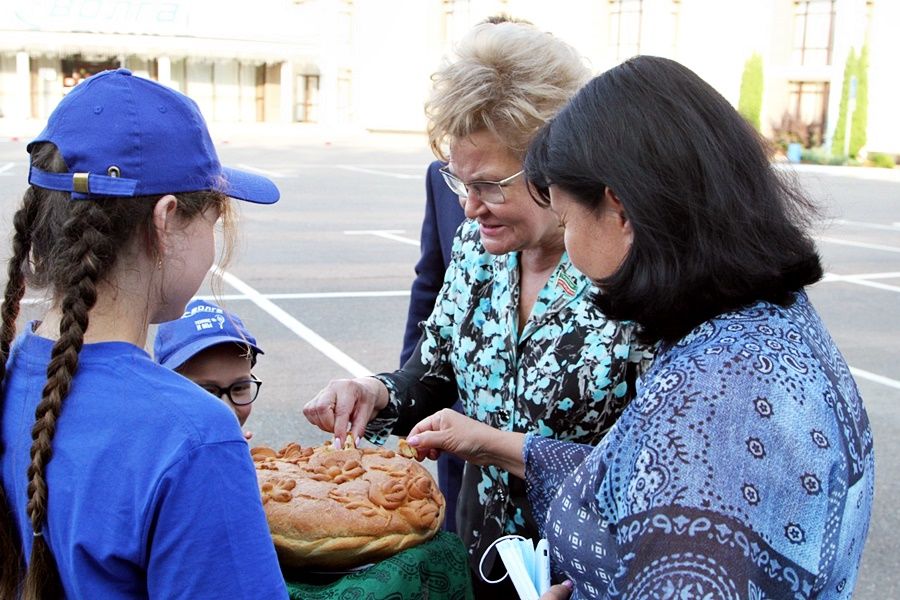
(840, 130)
(860, 120)
(750, 101)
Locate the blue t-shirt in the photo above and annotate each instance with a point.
(152, 491)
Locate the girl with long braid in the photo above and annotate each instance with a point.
(120, 478)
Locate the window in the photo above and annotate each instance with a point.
(813, 32)
(306, 109)
(808, 103)
(625, 28)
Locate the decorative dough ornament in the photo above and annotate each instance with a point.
(340, 508)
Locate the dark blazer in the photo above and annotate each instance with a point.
(443, 214)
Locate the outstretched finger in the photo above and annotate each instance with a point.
(320, 410)
(428, 442)
(358, 421)
(343, 414)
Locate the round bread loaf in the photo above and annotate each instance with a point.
(336, 509)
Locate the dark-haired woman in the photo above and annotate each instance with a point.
(744, 467)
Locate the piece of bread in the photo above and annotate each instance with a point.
(404, 449)
(335, 509)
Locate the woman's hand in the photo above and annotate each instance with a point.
(558, 592)
(346, 406)
(471, 440)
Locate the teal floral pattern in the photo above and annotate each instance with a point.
(568, 374)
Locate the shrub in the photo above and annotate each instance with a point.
(879, 159)
(750, 101)
(791, 130)
(820, 156)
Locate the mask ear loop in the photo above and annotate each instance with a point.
(489, 548)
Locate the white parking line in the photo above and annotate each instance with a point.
(379, 172)
(261, 171)
(831, 240)
(302, 331)
(420, 166)
(888, 275)
(5, 168)
(865, 225)
(832, 277)
(312, 295)
(388, 234)
(876, 378)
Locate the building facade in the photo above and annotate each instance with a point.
(367, 63)
(241, 61)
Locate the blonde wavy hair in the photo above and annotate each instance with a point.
(508, 78)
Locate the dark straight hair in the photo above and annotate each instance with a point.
(716, 227)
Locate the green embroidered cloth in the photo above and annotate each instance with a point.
(435, 570)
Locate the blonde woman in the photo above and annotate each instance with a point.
(514, 331)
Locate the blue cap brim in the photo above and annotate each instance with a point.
(187, 352)
(249, 187)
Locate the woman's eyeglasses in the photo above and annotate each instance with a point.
(239, 393)
(489, 192)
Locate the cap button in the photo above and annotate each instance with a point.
(123, 71)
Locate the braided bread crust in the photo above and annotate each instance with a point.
(330, 508)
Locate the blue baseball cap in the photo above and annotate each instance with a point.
(202, 325)
(125, 136)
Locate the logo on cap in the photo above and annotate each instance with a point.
(210, 323)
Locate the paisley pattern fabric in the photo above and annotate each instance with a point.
(565, 376)
(743, 469)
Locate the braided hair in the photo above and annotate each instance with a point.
(70, 247)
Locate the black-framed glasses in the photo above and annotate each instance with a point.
(489, 192)
(240, 393)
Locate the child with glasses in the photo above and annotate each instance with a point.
(212, 347)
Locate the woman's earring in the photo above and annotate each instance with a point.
(159, 264)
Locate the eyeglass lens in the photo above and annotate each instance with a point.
(240, 392)
(489, 193)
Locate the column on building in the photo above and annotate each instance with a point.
(199, 85)
(21, 102)
(287, 92)
(250, 93)
(164, 70)
(226, 90)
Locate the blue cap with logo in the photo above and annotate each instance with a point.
(202, 325)
(124, 136)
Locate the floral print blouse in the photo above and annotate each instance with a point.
(743, 469)
(567, 375)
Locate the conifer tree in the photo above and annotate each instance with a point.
(840, 130)
(750, 101)
(860, 120)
